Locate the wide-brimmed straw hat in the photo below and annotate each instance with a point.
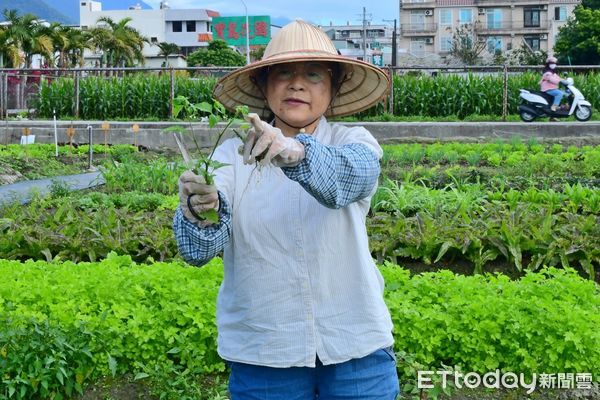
(362, 87)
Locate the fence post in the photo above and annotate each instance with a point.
(505, 94)
(391, 96)
(2, 105)
(171, 92)
(5, 94)
(76, 106)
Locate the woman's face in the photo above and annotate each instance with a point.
(298, 93)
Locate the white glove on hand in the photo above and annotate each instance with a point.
(195, 197)
(279, 150)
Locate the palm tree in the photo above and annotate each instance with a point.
(121, 44)
(28, 35)
(9, 50)
(166, 49)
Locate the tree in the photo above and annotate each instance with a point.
(28, 35)
(9, 51)
(579, 39)
(216, 54)
(166, 49)
(593, 4)
(464, 46)
(258, 52)
(122, 45)
(525, 55)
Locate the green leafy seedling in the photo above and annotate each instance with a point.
(214, 113)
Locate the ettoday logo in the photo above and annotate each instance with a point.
(507, 380)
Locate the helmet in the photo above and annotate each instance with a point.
(551, 60)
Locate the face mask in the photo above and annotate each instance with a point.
(552, 66)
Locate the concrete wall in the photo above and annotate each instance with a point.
(151, 134)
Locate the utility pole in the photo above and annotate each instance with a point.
(364, 35)
(394, 45)
(394, 42)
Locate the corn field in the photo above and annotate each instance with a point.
(148, 96)
(137, 96)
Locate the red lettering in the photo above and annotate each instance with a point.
(232, 31)
(219, 28)
(260, 28)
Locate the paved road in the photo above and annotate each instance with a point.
(22, 191)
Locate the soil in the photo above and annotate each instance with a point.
(464, 267)
(118, 389)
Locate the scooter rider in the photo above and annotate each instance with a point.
(550, 81)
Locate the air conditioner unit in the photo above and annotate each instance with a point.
(481, 11)
(428, 13)
(429, 41)
(543, 36)
(544, 7)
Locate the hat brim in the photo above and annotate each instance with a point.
(365, 85)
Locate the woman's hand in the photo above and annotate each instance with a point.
(267, 144)
(196, 197)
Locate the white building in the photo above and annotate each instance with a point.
(348, 39)
(190, 29)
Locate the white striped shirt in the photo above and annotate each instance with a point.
(299, 281)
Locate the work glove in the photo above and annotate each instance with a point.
(195, 197)
(267, 144)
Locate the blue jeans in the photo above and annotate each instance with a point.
(373, 377)
(558, 95)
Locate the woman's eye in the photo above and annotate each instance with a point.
(314, 76)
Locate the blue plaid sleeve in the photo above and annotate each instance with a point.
(198, 245)
(335, 176)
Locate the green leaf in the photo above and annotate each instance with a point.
(211, 215)
(112, 365)
(140, 375)
(205, 107)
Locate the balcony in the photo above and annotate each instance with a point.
(508, 27)
(409, 5)
(504, 3)
(418, 29)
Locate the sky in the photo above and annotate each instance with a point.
(320, 12)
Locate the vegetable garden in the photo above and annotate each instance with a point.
(489, 252)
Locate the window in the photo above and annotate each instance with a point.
(177, 26)
(417, 46)
(465, 16)
(190, 26)
(445, 18)
(533, 42)
(560, 13)
(494, 18)
(531, 17)
(153, 39)
(494, 44)
(446, 44)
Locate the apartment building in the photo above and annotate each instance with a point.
(190, 29)
(376, 48)
(426, 27)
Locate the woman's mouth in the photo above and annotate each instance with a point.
(293, 101)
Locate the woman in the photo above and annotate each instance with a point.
(550, 81)
(300, 312)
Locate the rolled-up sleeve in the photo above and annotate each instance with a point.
(198, 245)
(336, 175)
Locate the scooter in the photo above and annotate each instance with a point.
(535, 104)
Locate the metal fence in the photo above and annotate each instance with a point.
(19, 89)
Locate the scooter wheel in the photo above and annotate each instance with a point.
(526, 117)
(583, 113)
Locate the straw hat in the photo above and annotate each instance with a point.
(364, 84)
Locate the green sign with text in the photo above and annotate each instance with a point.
(233, 29)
